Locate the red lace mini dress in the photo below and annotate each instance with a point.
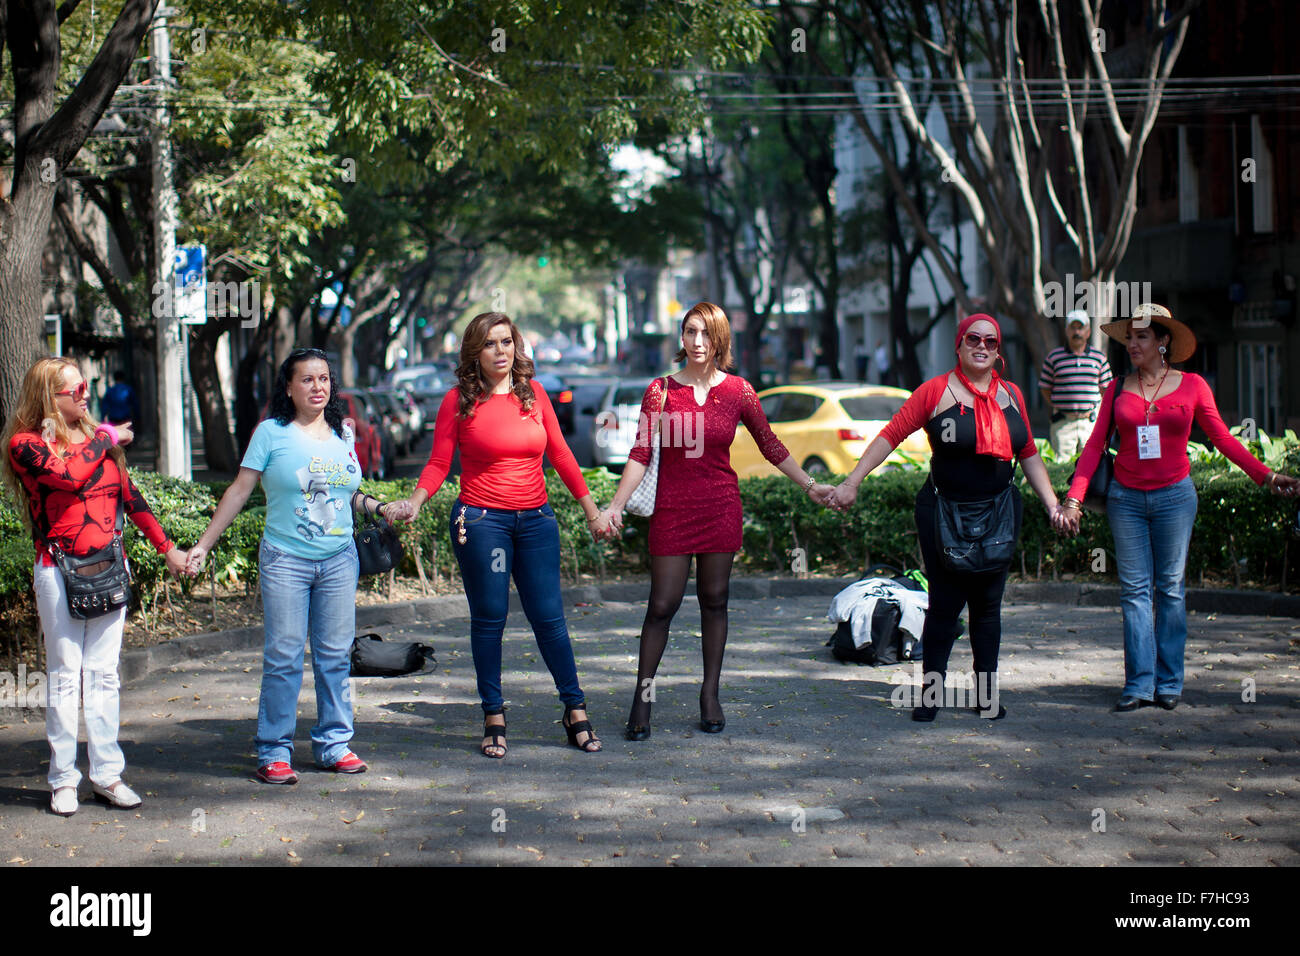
(697, 504)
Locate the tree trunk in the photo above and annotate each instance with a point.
(24, 227)
(219, 446)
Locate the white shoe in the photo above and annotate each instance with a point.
(118, 795)
(64, 801)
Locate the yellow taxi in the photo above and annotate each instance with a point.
(827, 426)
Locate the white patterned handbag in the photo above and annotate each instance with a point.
(642, 500)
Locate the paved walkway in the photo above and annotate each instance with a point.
(815, 766)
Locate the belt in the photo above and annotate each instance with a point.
(1076, 416)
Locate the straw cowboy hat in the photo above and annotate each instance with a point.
(1182, 340)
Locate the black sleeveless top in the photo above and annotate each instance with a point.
(957, 472)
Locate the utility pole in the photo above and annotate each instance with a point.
(173, 437)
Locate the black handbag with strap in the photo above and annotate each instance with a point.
(378, 548)
(1094, 499)
(97, 583)
(372, 656)
(976, 536)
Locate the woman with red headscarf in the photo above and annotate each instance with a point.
(977, 425)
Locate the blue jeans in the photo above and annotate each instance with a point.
(526, 544)
(303, 600)
(1152, 531)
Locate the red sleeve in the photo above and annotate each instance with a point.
(915, 411)
(1031, 447)
(557, 449)
(142, 517)
(1207, 416)
(651, 404)
(751, 413)
(1092, 452)
(30, 455)
(446, 431)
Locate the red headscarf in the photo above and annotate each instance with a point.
(991, 434)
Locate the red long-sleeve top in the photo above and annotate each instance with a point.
(501, 450)
(1192, 399)
(918, 409)
(74, 496)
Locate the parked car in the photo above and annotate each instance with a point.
(426, 384)
(589, 392)
(369, 434)
(395, 418)
(613, 430)
(827, 426)
(561, 396)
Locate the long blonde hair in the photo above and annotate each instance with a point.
(38, 406)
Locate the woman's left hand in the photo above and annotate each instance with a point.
(1284, 485)
(399, 510)
(176, 561)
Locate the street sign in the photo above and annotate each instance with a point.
(192, 284)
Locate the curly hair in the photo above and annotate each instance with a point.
(469, 377)
(282, 407)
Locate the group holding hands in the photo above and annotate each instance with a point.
(69, 473)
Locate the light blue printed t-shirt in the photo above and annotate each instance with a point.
(309, 484)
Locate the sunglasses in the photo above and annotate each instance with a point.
(990, 342)
(77, 393)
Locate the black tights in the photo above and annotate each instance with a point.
(668, 574)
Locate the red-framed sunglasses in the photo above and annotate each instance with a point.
(990, 342)
(77, 393)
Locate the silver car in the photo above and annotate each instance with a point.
(614, 427)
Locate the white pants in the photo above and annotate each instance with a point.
(81, 660)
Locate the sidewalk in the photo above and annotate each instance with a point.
(815, 765)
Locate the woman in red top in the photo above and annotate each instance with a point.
(501, 524)
(697, 503)
(68, 476)
(1151, 504)
(977, 426)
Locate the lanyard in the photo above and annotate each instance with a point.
(1141, 391)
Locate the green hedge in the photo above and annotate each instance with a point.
(1242, 533)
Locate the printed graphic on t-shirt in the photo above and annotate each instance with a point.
(320, 508)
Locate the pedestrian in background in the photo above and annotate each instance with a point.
(1072, 379)
(119, 403)
(884, 363)
(1152, 502)
(68, 476)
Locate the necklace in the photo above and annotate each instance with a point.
(1142, 391)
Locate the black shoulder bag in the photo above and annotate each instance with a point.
(1094, 499)
(372, 656)
(98, 583)
(975, 536)
(378, 547)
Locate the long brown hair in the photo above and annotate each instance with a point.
(36, 406)
(469, 377)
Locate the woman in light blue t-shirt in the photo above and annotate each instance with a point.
(308, 567)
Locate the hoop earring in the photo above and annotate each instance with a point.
(1003, 361)
(1162, 350)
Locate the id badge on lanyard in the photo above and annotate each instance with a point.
(1148, 438)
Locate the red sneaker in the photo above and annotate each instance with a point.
(278, 772)
(348, 763)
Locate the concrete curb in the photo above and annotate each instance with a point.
(143, 661)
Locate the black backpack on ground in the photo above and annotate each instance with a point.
(888, 644)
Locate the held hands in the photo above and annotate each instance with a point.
(608, 525)
(841, 497)
(400, 510)
(177, 561)
(821, 493)
(1065, 519)
(1284, 485)
(194, 562)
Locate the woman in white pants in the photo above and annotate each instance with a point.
(69, 476)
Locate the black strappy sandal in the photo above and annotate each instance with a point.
(497, 733)
(582, 726)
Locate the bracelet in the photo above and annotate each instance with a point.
(109, 430)
(1072, 503)
(808, 486)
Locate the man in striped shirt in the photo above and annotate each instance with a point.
(1072, 380)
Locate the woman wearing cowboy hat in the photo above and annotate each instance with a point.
(1152, 503)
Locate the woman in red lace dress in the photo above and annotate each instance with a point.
(697, 504)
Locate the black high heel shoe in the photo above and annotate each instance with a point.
(637, 731)
(712, 726)
(497, 734)
(580, 727)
